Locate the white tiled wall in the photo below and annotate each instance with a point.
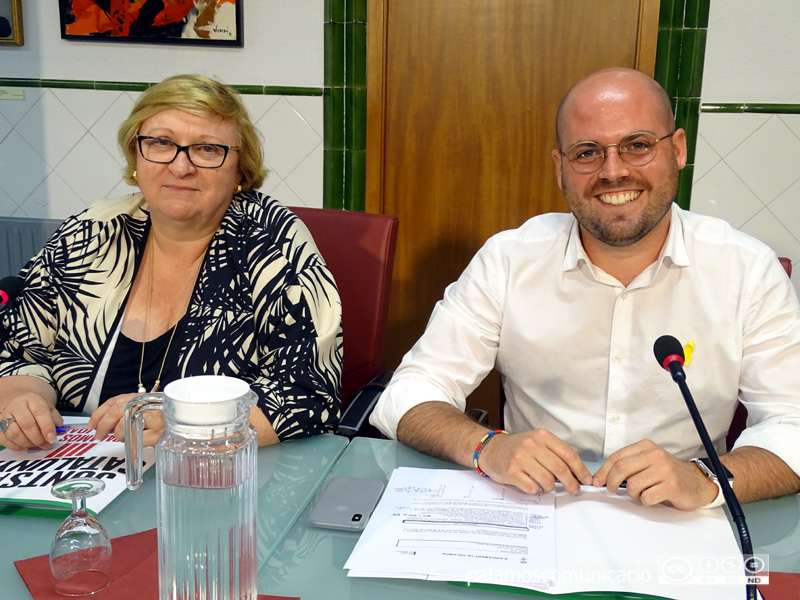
(283, 45)
(58, 149)
(747, 172)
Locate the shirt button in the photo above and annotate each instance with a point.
(618, 358)
(615, 418)
(624, 295)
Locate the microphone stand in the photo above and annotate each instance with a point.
(735, 509)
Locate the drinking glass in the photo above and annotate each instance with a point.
(80, 557)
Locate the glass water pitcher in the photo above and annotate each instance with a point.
(206, 495)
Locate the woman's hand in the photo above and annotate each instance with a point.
(29, 404)
(266, 433)
(108, 419)
(34, 422)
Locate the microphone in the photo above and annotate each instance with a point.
(669, 354)
(10, 287)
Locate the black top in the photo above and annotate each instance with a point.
(122, 376)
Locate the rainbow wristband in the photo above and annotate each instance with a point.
(484, 440)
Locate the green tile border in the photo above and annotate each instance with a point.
(693, 52)
(355, 107)
(684, 195)
(334, 41)
(356, 56)
(670, 13)
(335, 11)
(357, 11)
(668, 58)
(687, 117)
(345, 104)
(680, 58)
(333, 168)
(121, 86)
(66, 84)
(355, 183)
(333, 109)
(18, 82)
(696, 13)
(744, 107)
(281, 90)
(139, 86)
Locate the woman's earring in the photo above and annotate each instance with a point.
(134, 175)
(239, 188)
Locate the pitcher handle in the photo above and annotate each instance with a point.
(134, 424)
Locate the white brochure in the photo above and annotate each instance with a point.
(454, 525)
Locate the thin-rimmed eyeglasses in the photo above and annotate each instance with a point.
(636, 149)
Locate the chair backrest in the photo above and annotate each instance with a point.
(786, 263)
(20, 239)
(359, 250)
(740, 416)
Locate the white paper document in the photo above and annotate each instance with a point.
(454, 525)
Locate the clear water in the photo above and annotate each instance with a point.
(207, 523)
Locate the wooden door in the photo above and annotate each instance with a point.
(462, 98)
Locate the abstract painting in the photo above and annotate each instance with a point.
(206, 22)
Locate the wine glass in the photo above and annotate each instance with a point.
(80, 557)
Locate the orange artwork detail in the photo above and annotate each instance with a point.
(156, 20)
(174, 12)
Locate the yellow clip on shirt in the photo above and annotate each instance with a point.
(688, 349)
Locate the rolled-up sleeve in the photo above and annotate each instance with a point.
(457, 350)
(770, 376)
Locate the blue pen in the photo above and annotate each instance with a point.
(65, 428)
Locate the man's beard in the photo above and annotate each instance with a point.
(619, 231)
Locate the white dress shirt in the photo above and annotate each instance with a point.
(575, 346)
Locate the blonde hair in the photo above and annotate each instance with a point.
(203, 97)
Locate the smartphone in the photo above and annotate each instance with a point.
(346, 503)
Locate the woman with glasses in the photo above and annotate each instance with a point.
(197, 273)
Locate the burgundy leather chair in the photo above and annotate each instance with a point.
(786, 264)
(740, 416)
(359, 250)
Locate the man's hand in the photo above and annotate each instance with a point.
(531, 460)
(653, 476)
(534, 460)
(34, 422)
(108, 418)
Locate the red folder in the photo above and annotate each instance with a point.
(134, 571)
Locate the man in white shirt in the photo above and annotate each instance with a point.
(568, 306)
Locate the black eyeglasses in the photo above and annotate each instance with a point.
(204, 156)
(636, 149)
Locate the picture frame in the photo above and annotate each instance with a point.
(11, 22)
(202, 22)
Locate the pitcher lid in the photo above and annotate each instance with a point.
(207, 399)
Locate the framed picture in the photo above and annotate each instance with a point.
(11, 22)
(200, 22)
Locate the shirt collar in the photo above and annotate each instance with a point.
(674, 246)
(575, 251)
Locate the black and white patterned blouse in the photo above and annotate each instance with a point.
(264, 308)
